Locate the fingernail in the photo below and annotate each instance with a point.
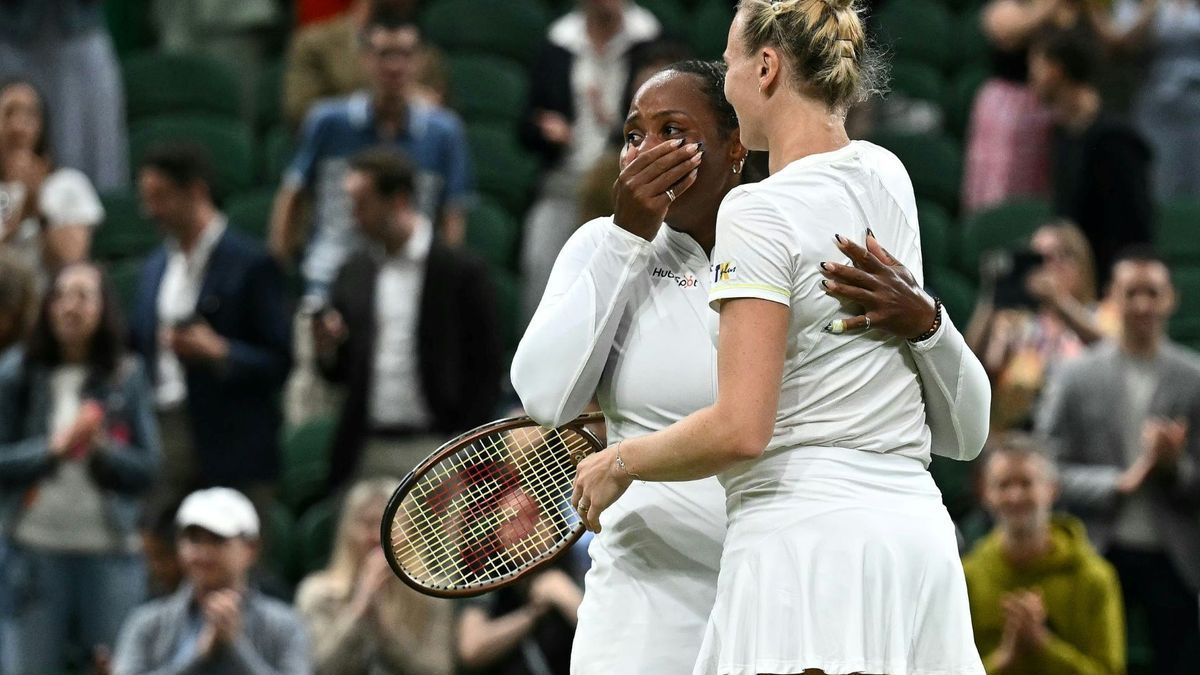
(701, 146)
(825, 266)
(839, 238)
(870, 233)
(825, 284)
(828, 327)
(694, 147)
(679, 143)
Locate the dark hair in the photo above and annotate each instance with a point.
(389, 18)
(108, 344)
(1076, 53)
(712, 77)
(183, 163)
(1141, 254)
(391, 171)
(18, 291)
(1021, 445)
(42, 147)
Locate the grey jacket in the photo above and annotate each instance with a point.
(1082, 415)
(273, 641)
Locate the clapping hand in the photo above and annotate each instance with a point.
(77, 440)
(197, 342)
(222, 611)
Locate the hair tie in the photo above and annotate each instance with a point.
(776, 7)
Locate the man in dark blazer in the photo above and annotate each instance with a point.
(211, 322)
(411, 330)
(1126, 421)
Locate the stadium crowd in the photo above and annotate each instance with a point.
(258, 258)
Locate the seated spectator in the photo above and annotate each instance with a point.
(46, 212)
(365, 621)
(1020, 345)
(1042, 599)
(210, 320)
(78, 449)
(17, 298)
(65, 50)
(216, 623)
(577, 90)
(1126, 420)
(391, 114)
(321, 64)
(1101, 165)
(524, 629)
(411, 330)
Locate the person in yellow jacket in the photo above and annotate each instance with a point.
(1043, 601)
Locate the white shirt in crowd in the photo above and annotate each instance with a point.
(177, 297)
(66, 199)
(396, 398)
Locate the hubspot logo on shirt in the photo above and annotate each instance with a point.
(687, 281)
(724, 272)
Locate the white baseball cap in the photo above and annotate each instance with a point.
(222, 511)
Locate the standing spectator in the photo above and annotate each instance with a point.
(391, 114)
(411, 330)
(578, 88)
(17, 299)
(64, 48)
(46, 212)
(210, 320)
(320, 61)
(1166, 108)
(216, 624)
(1008, 139)
(1101, 165)
(1042, 599)
(1126, 418)
(1021, 346)
(78, 449)
(365, 621)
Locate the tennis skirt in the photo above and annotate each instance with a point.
(839, 560)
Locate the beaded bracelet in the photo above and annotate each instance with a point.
(937, 322)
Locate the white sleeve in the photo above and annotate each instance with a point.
(958, 395)
(68, 198)
(753, 256)
(561, 357)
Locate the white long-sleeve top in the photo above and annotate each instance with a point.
(627, 321)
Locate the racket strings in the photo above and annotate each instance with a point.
(490, 510)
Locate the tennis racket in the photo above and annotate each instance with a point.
(488, 507)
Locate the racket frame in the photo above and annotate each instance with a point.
(579, 425)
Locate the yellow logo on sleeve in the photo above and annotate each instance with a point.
(724, 272)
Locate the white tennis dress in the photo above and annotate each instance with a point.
(839, 554)
(627, 321)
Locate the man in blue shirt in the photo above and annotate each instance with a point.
(390, 114)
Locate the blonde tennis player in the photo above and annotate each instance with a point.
(625, 319)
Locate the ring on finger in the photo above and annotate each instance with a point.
(868, 326)
(583, 507)
(671, 194)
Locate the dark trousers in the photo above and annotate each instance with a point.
(1152, 588)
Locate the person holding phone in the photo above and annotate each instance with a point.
(1036, 309)
(78, 450)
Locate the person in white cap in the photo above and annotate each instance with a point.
(216, 623)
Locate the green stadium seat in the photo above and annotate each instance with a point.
(250, 212)
(305, 461)
(956, 292)
(1001, 226)
(488, 89)
(125, 232)
(162, 84)
(934, 162)
(960, 98)
(228, 141)
(128, 23)
(1185, 325)
(708, 30)
(268, 96)
(503, 169)
(917, 80)
(315, 533)
(277, 150)
(508, 306)
(280, 553)
(1175, 235)
(953, 479)
(513, 28)
(918, 29)
(936, 241)
(493, 233)
(124, 275)
(670, 13)
(972, 47)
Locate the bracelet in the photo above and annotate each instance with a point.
(937, 322)
(621, 463)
